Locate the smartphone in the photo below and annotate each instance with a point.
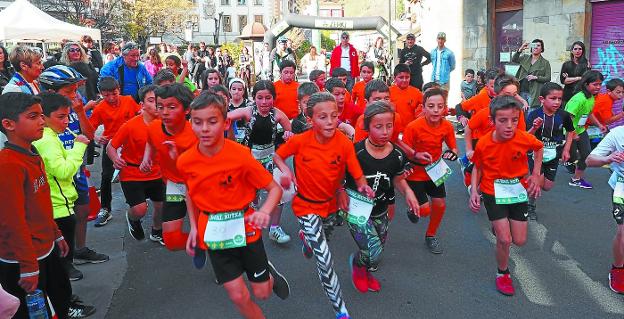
(532, 46)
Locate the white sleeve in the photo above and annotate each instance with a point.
(608, 144)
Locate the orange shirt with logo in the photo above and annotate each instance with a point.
(320, 170)
(361, 133)
(132, 137)
(407, 102)
(157, 135)
(480, 124)
(113, 117)
(478, 102)
(603, 107)
(286, 98)
(422, 137)
(504, 160)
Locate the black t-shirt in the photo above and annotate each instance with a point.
(552, 129)
(573, 70)
(415, 54)
(379, 174)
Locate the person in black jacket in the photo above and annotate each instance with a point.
(74, 55)
(6, 70)
(94, 55)
(412, 55)
(573, 70)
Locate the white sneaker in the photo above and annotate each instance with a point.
(278, 235)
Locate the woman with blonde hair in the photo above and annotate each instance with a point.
(74, 55)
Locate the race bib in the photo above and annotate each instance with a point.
(509, 191)
(594, 132)
(582, 120)
(438, 171)
(360, 208)
(176, 192)
(225, 230)
(263, 153)
(618, 191)
(550, 152)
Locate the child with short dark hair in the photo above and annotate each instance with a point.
(367, 69)
(407, 99)
(342, 74)
(337, 88)
(300, 123)
(468, 86)
(603, 103)
(318, 77)
(164, 77)
(286, 89)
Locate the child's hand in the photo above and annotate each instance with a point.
(83, 139)
(538, 122)
(342, 200)
(102, 140)
(258, 219)
(366, 190)
(77, 104)
(287, 135)
(423, 157)
(63, 247)
(173, 150)
(616, 157)
(565, 156)
(286, 180)
(119, 163)
(412, 203)
(91, 105)
(469, 154)
(146, 166)
(463, 120)
(29, 284)
(475, 200)
(534, 188)
(191, 242)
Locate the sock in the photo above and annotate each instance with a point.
(502, 272)
(273, 227)
(175, 240)
(435, 220)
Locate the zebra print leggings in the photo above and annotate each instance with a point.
(312, 227)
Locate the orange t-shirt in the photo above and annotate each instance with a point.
(320, 170)
(505, 160)
(478, 102)
(225, 182)
(481, 124)
(156, 136)
(361, 133)
(286, 99)
(358, 96)
(407, 102)
(422, 137)
(132, 137)
(348, 98)
(603, 107)
(114, 117)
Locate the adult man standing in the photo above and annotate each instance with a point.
(280, 53)
(129, 72)
(443, 61)
(412, 55)
(200, 61)
(345, 56)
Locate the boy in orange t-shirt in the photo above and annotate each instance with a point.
(168, 137)
(343, 74)
(407, 99)
(112, 112)
(286, 90)
(138, 186)
(346, 112)
(222, 179)
(501, 167)
(426, 135)
(366, 73)
(321, 158)
(603, 102)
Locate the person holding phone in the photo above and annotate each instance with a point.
(534, 71)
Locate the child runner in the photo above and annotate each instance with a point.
(112, 112)
(164, 77)
(32, 245)
(222, 180)
(580, 107)
(383, 166)
(318, 77)
(610, 151)
(137, 186)
(174, 64)
(500, 170)
(320, 159)
(426, 135)
(260, 135)
(345, 112)
(238, 92)
(342, 74)
(210, 78)
(300, 123)
(468, 87)
(286, 89)
(407, 99)
(603, 104)
(548, 123)
(466, 109)
(168, 137)
(366, 73)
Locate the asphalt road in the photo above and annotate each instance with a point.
(561, 272)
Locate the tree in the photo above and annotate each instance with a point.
(146, 18)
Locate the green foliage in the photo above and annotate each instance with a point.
(234, 49)
(303, 49)
(326, 42)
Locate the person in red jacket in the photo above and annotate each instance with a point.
(345, 56)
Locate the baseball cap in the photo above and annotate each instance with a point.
(441, 35)
(410, 36)
(282, 40)
(344, 34)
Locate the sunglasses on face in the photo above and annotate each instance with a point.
(346, 38)
(74, 50)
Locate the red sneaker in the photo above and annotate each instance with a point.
(373, 283)
(358, 276)
(616, 280)
(504, 285)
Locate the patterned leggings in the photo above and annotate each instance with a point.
(312, 227)
(370, 238)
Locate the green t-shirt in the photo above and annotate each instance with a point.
(187, 83)
(580, 107)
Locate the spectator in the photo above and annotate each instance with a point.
(412, 55)
(378, 55)
(6, 70)
(311, 61)
(189, 56)
(174, 64)
(74, 55)
(244, 65)
(111, 51)
(153, 64)
(200, 62)
(280, 53)
(469, 85)
(443, 61)
(345, 56)
(534, 71)
(227, 60)
(28, 67)
(265, 63)
(572, 71)
(219, 62)
(128, 71)
(95, 56)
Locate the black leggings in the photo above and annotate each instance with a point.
(583, 148)
(107, 179)
(67, 226)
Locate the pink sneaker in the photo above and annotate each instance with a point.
(504, 285)
(358, 275)
(373, 283)
(616, 280)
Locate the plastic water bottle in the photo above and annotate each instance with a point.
(36, 304)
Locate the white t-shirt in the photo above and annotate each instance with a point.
(614, 141)
(438, 63)
(345, 61)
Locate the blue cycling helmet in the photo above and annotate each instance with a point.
(55, 77)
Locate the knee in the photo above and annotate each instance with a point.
(503, 240)
(548, 185)
(425, 210)
(263, 292)
(239, 297)
(520, 241)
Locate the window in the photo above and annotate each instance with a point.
(508, 33)
(225, 2)
(242, 2)
(242, 22)
(227, 23)
(257, 2)
(258, 18)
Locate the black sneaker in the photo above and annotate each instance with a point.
(433, 244)
(87, 255)
(135, 228)
(412, 217)
(103, 217)
(156, 236)
(280, 284)
(74, 274)
(78, 310)
(531, 207)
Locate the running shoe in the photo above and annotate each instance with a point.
(199, 260)
(74, 274)
(412, 217)
(342, 316)
(372, 268)
(580, 183)
(305, 248)
(570, 167)
(135, 228)
(373, 283)
(433, 244)
(78, 311)
(616, 280)
(504, 284)
(358, 275)
(156, 236)
(278, 235)
(103, 217)
(281, 288)
(87, 255)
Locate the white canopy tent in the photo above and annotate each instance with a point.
(22, 21)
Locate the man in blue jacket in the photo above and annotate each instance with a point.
(128, 70)
(443, 61)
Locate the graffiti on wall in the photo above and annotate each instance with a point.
(610, 61)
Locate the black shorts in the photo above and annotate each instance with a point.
(549, 169)
(517, 211)
(173, 210)
(618, 213)
(228, 264)
(423, 188)
(137, 192)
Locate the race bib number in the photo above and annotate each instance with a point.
(582, 120)
(263, 153)
(618, 191)
(438, 171)
(509, 191)
(176, 192)
(360, 208)
(550, 152)
(225, 231)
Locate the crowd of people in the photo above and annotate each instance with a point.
(189, 142)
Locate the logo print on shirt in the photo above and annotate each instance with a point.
(516, 156)
(226, 182)
(336, 161)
